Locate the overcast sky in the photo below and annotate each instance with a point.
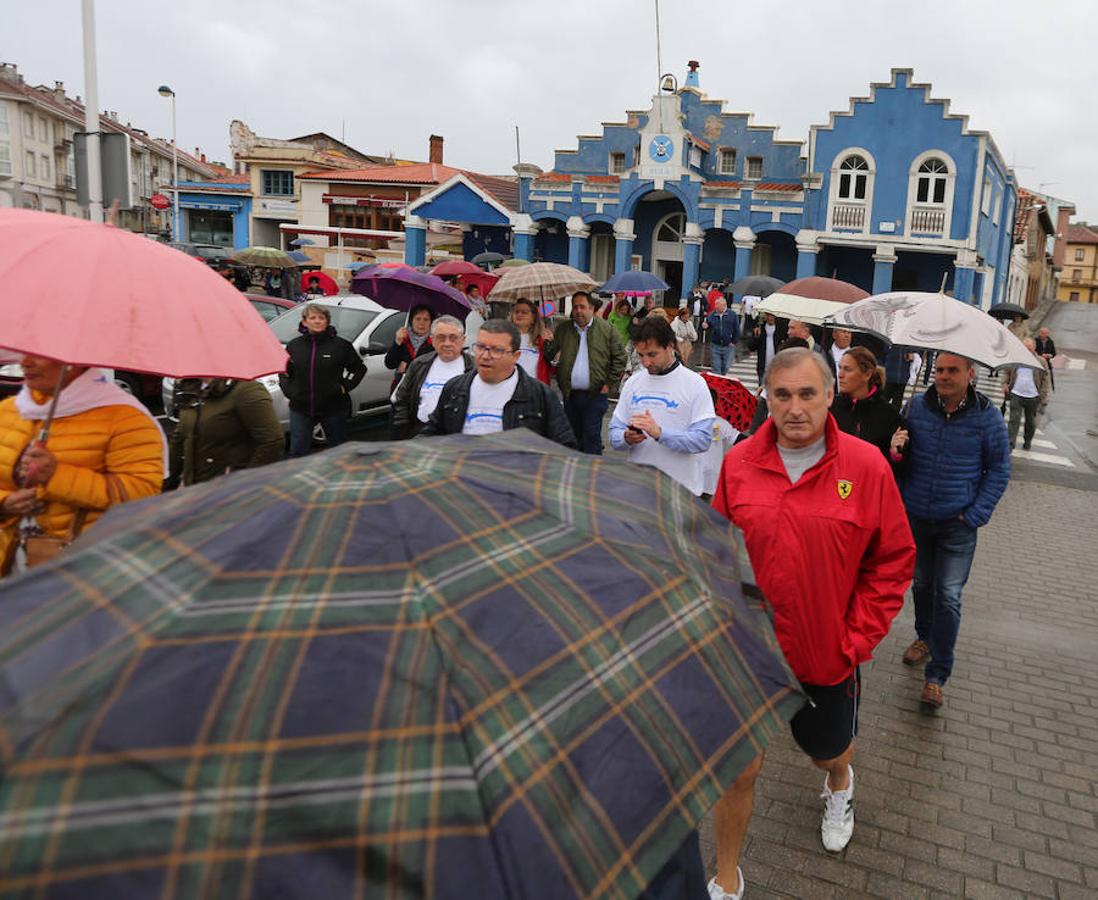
(388, 74)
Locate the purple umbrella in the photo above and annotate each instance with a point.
(405, 288)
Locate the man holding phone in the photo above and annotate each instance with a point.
(665, 416)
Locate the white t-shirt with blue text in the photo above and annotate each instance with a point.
(437, 376)
(486, 402)
(529, 356)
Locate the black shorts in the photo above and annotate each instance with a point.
(826, 725)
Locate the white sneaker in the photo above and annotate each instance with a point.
(716, 892)
(838, 817)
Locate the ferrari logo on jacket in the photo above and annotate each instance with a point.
(844, 488)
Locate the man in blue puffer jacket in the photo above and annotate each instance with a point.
(954, 464)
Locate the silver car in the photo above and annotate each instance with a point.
(369, 327)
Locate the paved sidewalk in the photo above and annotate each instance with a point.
(996, 795)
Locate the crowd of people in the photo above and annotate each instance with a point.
(844, 496)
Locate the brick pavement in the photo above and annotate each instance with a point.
(996, 795)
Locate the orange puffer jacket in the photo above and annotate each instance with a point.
(104, 456)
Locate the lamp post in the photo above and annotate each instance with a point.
(166, 91)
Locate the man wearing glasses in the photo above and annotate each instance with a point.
(499, 395)
(417, 394)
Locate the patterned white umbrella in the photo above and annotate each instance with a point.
(936, 322)
(541, 282)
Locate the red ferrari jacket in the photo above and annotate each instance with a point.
(832, 554)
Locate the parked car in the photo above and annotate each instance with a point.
(270, 307)
(11, 379)
(146, 388)
(368, 326)
(208, 253)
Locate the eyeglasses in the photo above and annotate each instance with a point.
(447, 338)
(491, 352)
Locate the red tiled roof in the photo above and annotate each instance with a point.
(504, 189)
(232, 179)
(421, 173)
(555, 176)
(728, 185)
(699, 142)
(1081, 234)
(778, 186)
(602, 179)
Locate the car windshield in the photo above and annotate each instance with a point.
(349, 323)
(213, 252)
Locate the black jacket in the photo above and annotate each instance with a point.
(758, 343)
(1045, 345)
(872, 419)
(533, 406)
(400, 356)
(405, 424)
(322, 371)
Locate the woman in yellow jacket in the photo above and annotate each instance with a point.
(103, 448)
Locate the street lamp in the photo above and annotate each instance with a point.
(165, 91)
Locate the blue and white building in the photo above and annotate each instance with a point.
(894, 193)
(217, 211)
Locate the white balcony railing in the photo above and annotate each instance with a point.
(848, 215)
(928, 220)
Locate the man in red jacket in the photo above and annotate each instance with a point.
(832, 552)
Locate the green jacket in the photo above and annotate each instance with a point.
(230, 425)
(605, 354)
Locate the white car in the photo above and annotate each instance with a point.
(369, 327)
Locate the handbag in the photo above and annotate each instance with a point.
(41, 548)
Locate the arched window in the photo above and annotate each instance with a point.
(672, 229)
(853, 178)
(933, 178)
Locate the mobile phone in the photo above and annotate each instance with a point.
(634, 429)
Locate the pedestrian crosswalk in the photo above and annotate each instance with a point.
(1043, 450)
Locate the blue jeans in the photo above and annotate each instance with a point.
(721, 357)
(943, 557)
(585, 411)
(301, 431)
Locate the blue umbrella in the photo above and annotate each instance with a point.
(355, 266)
(634, 280)
(302, 242)
(298, 256)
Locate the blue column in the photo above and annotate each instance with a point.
(524, 245)
(806, 262)
(691, 264)
(743, 262)
(240, 226)
(882, 272)
(577, 252)
(415, 241)
(963, 279)
(623, 254)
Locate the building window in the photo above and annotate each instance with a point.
(728, 161)
(933, 177)
(278, 183)
(45, 168)
(1074, 297)
(853, 178)
(985, 200)
(43, 129)
(5, 144)
(1080, 254)
(617, 163)
(1076, 275)
(30, 166)
(754, 168)
(996, 207)
(696, 157)
(28, 124)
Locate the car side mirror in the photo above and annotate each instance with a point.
(362, 351)
(375, 347)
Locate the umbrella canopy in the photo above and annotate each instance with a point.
(1007, 311)
(264, 257)
(936, 322)
(486, 281)
(405, 288)
(733, 402)
(453, 267)
(811, 299)
(514, 263)
(756, 286)
(541, 281)
(355, 266)
(298, 256)
(302, 242)
(634, 281)
(126, 303)
(488, 258)
(308, 680)
(327, 283)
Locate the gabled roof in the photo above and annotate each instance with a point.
(420, 173)
(1081, 234)
(1028, 206)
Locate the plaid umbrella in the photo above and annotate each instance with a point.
(540, 282)
(450, 667)
(265, 258)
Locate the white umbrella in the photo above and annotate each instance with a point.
(804, 309)
(936, 322)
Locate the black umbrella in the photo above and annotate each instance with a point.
(488, 258)
(756, 286)
(1007, 311)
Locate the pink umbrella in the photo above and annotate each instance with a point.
(95, 295)
(456, 267)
